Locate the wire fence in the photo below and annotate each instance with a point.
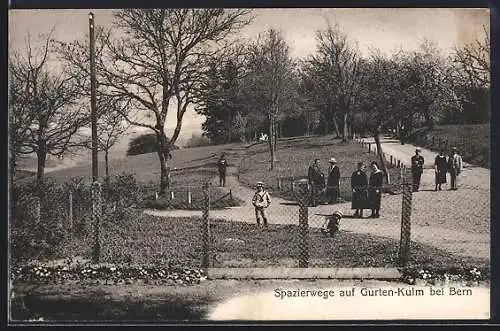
(210, 226)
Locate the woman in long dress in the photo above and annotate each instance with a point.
(440, 168)
(359, 186)
(375, 189)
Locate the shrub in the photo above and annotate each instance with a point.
(31, 239)
(145, 143)
(198, 141)
(123, 190)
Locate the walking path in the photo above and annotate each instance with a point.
(475, 243)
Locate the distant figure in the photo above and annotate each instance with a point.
(333, 182)
(263, 137)
(417, 168)
(359, 186)
(316, 181)
(222, 165)
(455, 166)
(261, 200)
(375, 189)
(332, 223)
(440, 169)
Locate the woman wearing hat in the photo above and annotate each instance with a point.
(440, 168)
(359, 186)
(417, 168)
(261, 200)
(333, 182)
(375, 189)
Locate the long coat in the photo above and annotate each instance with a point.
(316, 176)
(441, 165)
(333, 181)
(359, 186)
(375, 189)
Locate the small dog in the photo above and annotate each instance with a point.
(332, 224)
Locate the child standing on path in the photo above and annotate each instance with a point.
(261, 200)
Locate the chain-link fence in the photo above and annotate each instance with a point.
(236, 226)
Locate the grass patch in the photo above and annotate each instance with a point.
(472, 141)
(134, 238)
(241, 243)
(296, 155)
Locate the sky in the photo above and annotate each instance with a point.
(387, 29)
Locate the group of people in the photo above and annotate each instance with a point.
(442, 165)
(366, 191)
(316, 179)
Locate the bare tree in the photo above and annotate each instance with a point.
(111, 126)
(158, 63)
(337, 67)
(44, 107)
(268, 86)
(474, 60)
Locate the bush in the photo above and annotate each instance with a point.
(198, 141)
(145, 143)
(31, 239)
(123, 190)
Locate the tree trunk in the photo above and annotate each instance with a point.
(275, 129)
(429, 122)
(344, 131)
(335, 126)
(376, 136)
(163, 152)
(41, 159)
(271, 140)
(106, 179)
(13, 164)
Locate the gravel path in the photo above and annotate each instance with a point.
(444, 229)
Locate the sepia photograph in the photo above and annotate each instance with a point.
(172, 165)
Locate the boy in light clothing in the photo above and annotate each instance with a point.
(261, 200)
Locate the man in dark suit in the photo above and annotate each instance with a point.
(417, 168)
(333, 182)
(316, 181)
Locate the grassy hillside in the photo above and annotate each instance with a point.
(146, 167)
(472, 141)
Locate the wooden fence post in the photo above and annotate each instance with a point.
(70, 213)
(205, 258)
(303, 236)
(38, 210)
(404, 244)
(96, 220)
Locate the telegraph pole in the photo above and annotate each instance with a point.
(93, 102)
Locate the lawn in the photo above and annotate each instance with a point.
(129, 236)
(472, 141)
(191, 168)
(296, 155)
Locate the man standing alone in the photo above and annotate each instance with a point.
(455, 166)
(222, 165)
(417, 167)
